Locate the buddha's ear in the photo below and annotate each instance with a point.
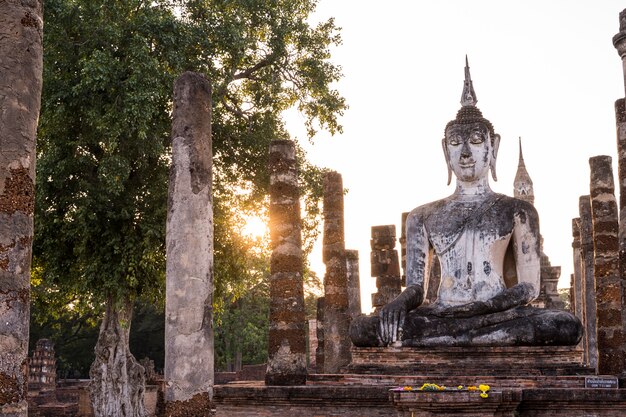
(494, 155)
(447, 155)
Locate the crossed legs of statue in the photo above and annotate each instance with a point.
(520, 326)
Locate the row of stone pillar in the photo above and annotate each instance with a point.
(598, 288)
(189, 334)
(599, 244)
(341, 300)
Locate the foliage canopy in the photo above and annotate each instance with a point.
(103, 150)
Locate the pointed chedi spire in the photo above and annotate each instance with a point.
(468, 97)
(523, 184)
(521, 154)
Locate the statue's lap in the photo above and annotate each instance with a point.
(520, 326)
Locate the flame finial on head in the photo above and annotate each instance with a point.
(469, 113)
(468, 97)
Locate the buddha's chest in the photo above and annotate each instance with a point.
(469, 227)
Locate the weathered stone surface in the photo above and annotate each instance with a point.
(21, 64)
(468, 404)
(577, 287)
(354, 283)
(448, 362)
(619, 42)
(319, 351)
(620, 119)
(42, 365)
(403, 246)
(609, 303)
(254, 400)
(577, 290)
(189, 240)
(385, 265)
(368, 396)
(383, 237)
(587, 271)
(312, 352)
(336, 317)
(197, 406)
(286, 364)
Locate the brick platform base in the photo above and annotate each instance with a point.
(370, 396)
(544, 402)
(525, 382)
(521, 360)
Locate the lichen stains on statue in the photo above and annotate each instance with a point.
(474, 226)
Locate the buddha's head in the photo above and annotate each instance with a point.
(470, 144)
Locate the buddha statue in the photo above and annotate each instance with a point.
(488, 246)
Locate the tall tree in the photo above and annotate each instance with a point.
(21, 55)
(104, 134)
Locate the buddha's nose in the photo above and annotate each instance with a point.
(465, 151)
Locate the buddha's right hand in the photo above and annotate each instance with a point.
(393, 315)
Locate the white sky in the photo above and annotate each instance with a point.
(545, 70)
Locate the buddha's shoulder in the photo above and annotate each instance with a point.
(499, 202)
(426, 210)
(517, 205)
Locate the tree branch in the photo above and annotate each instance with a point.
(248, 74)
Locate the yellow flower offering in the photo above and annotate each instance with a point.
(472, 388)
(407, 388)
(432, 387)
(483, 395)
(483, 387)
(460, 387)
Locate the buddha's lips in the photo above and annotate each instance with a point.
(467, 165)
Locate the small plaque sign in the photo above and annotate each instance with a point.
(601, 382)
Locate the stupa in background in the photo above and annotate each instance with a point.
(549, 294)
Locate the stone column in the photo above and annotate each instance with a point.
(336, 319)
(319, 351)
(354, 283)
(606, 267)
(21, 63)
(312, 331)
(189, 246)
(589, 285)
(286, 364)
(620, 117)
(619, 42)
(42, 366)
(577, 282)
(403, 247)
(572, 294)
(385, 265)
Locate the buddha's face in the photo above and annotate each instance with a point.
(468, 150)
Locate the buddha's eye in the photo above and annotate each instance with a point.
(455, 140)
(477, 137)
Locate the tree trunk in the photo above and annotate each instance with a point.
(117, 380)
(21, 63)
